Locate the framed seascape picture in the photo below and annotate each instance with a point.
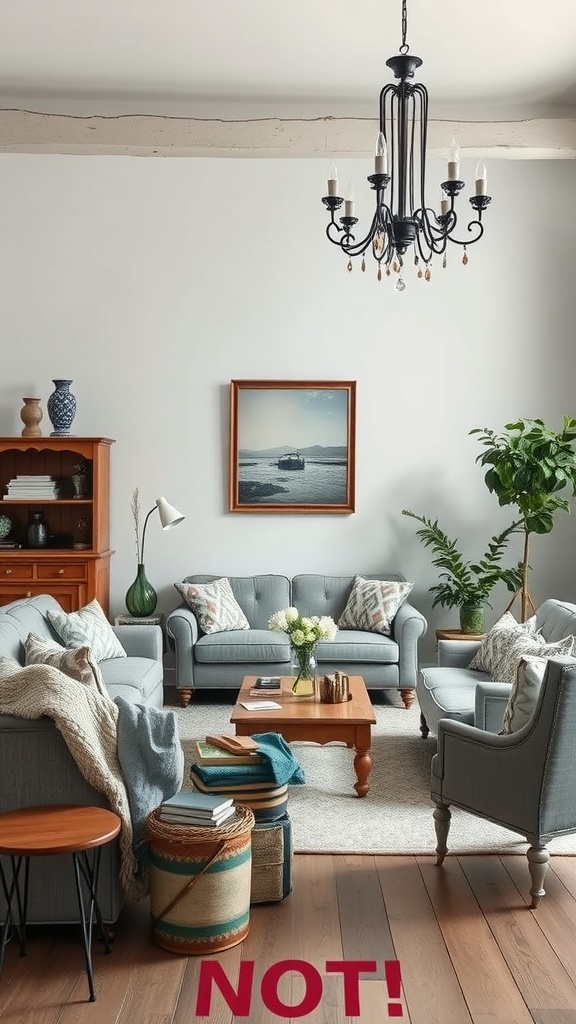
(292, 445)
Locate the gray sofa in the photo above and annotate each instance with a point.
(452, 690)
(36, 766)
(223, 659)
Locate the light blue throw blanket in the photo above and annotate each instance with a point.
(278, 766)
(152, 763)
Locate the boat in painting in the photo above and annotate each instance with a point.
(292, 460)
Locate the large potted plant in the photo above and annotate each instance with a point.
(467, 585)
(528, 466)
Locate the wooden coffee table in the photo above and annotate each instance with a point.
(305, 718)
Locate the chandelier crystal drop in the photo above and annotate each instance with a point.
(401, 218)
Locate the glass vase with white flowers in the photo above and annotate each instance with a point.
(304, 632)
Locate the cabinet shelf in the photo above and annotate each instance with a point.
(45, 501)
(74, 576)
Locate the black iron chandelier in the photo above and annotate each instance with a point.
(401, 218)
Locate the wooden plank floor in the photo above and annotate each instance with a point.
(470, 951)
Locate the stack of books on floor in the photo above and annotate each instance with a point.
(265, 798)
(238, 758)
(36, 485)
(201, 809)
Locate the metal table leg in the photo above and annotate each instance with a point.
(11, 891)
(89, 871)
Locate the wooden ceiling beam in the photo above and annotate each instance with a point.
(25, 131)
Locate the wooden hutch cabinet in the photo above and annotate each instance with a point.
(74, 564)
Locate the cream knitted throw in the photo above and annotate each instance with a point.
(87, 721)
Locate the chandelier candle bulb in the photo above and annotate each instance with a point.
(444, 206)
(481, 180)
(381, 158)
(349, 201)
(454, 161)
(332, 180)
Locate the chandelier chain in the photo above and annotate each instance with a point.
(404, 48)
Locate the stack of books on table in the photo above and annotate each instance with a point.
(28, 486)
(263, 685)
(200, 809)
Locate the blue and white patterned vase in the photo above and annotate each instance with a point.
(61, 408)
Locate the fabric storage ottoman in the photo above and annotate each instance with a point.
(271, 860)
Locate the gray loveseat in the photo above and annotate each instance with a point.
(36, 766)
(452, 690)
(223, 659)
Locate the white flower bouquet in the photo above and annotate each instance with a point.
(304, 632)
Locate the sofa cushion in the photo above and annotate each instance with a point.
(357, 646)
(372, 604)
(242, 647)
(449, 693)
(78, 663)
(524, 693)
(88, 626)
(508, 642)
(133, 678)
(214, 605)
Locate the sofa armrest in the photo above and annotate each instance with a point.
(182, 628)
(456, 653)
(490, 702)
(408, 626)
(141, 641)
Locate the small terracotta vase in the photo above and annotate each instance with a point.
(31, 414)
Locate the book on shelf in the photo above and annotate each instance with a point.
(202, 804)
(198, 820)
(8, 544)
(208, 753)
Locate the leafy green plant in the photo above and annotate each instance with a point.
(466, 582)
(528, 466)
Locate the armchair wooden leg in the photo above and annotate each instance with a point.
(423, 726)
(442, 818)
(184, 697)
(538, 857)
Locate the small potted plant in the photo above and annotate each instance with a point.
(467, 585)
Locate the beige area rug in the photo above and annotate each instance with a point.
(396, 815)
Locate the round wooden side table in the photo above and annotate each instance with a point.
(42, 832)
(457, 634)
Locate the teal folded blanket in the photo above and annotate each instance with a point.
(278, 765)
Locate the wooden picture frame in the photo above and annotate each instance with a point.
(292, 446)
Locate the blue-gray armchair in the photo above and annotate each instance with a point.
(524, 781)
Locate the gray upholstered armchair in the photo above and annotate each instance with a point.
(524, 781)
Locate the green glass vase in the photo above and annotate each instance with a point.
(141, 598)
(473, 617)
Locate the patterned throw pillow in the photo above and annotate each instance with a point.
(372, 605)
(508, 642)
(524, 693)
(79, 664)
(88, 627)
(214, 605)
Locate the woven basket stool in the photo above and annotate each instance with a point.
(200, 883)
(271, 860)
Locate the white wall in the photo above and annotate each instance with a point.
(154, 282)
